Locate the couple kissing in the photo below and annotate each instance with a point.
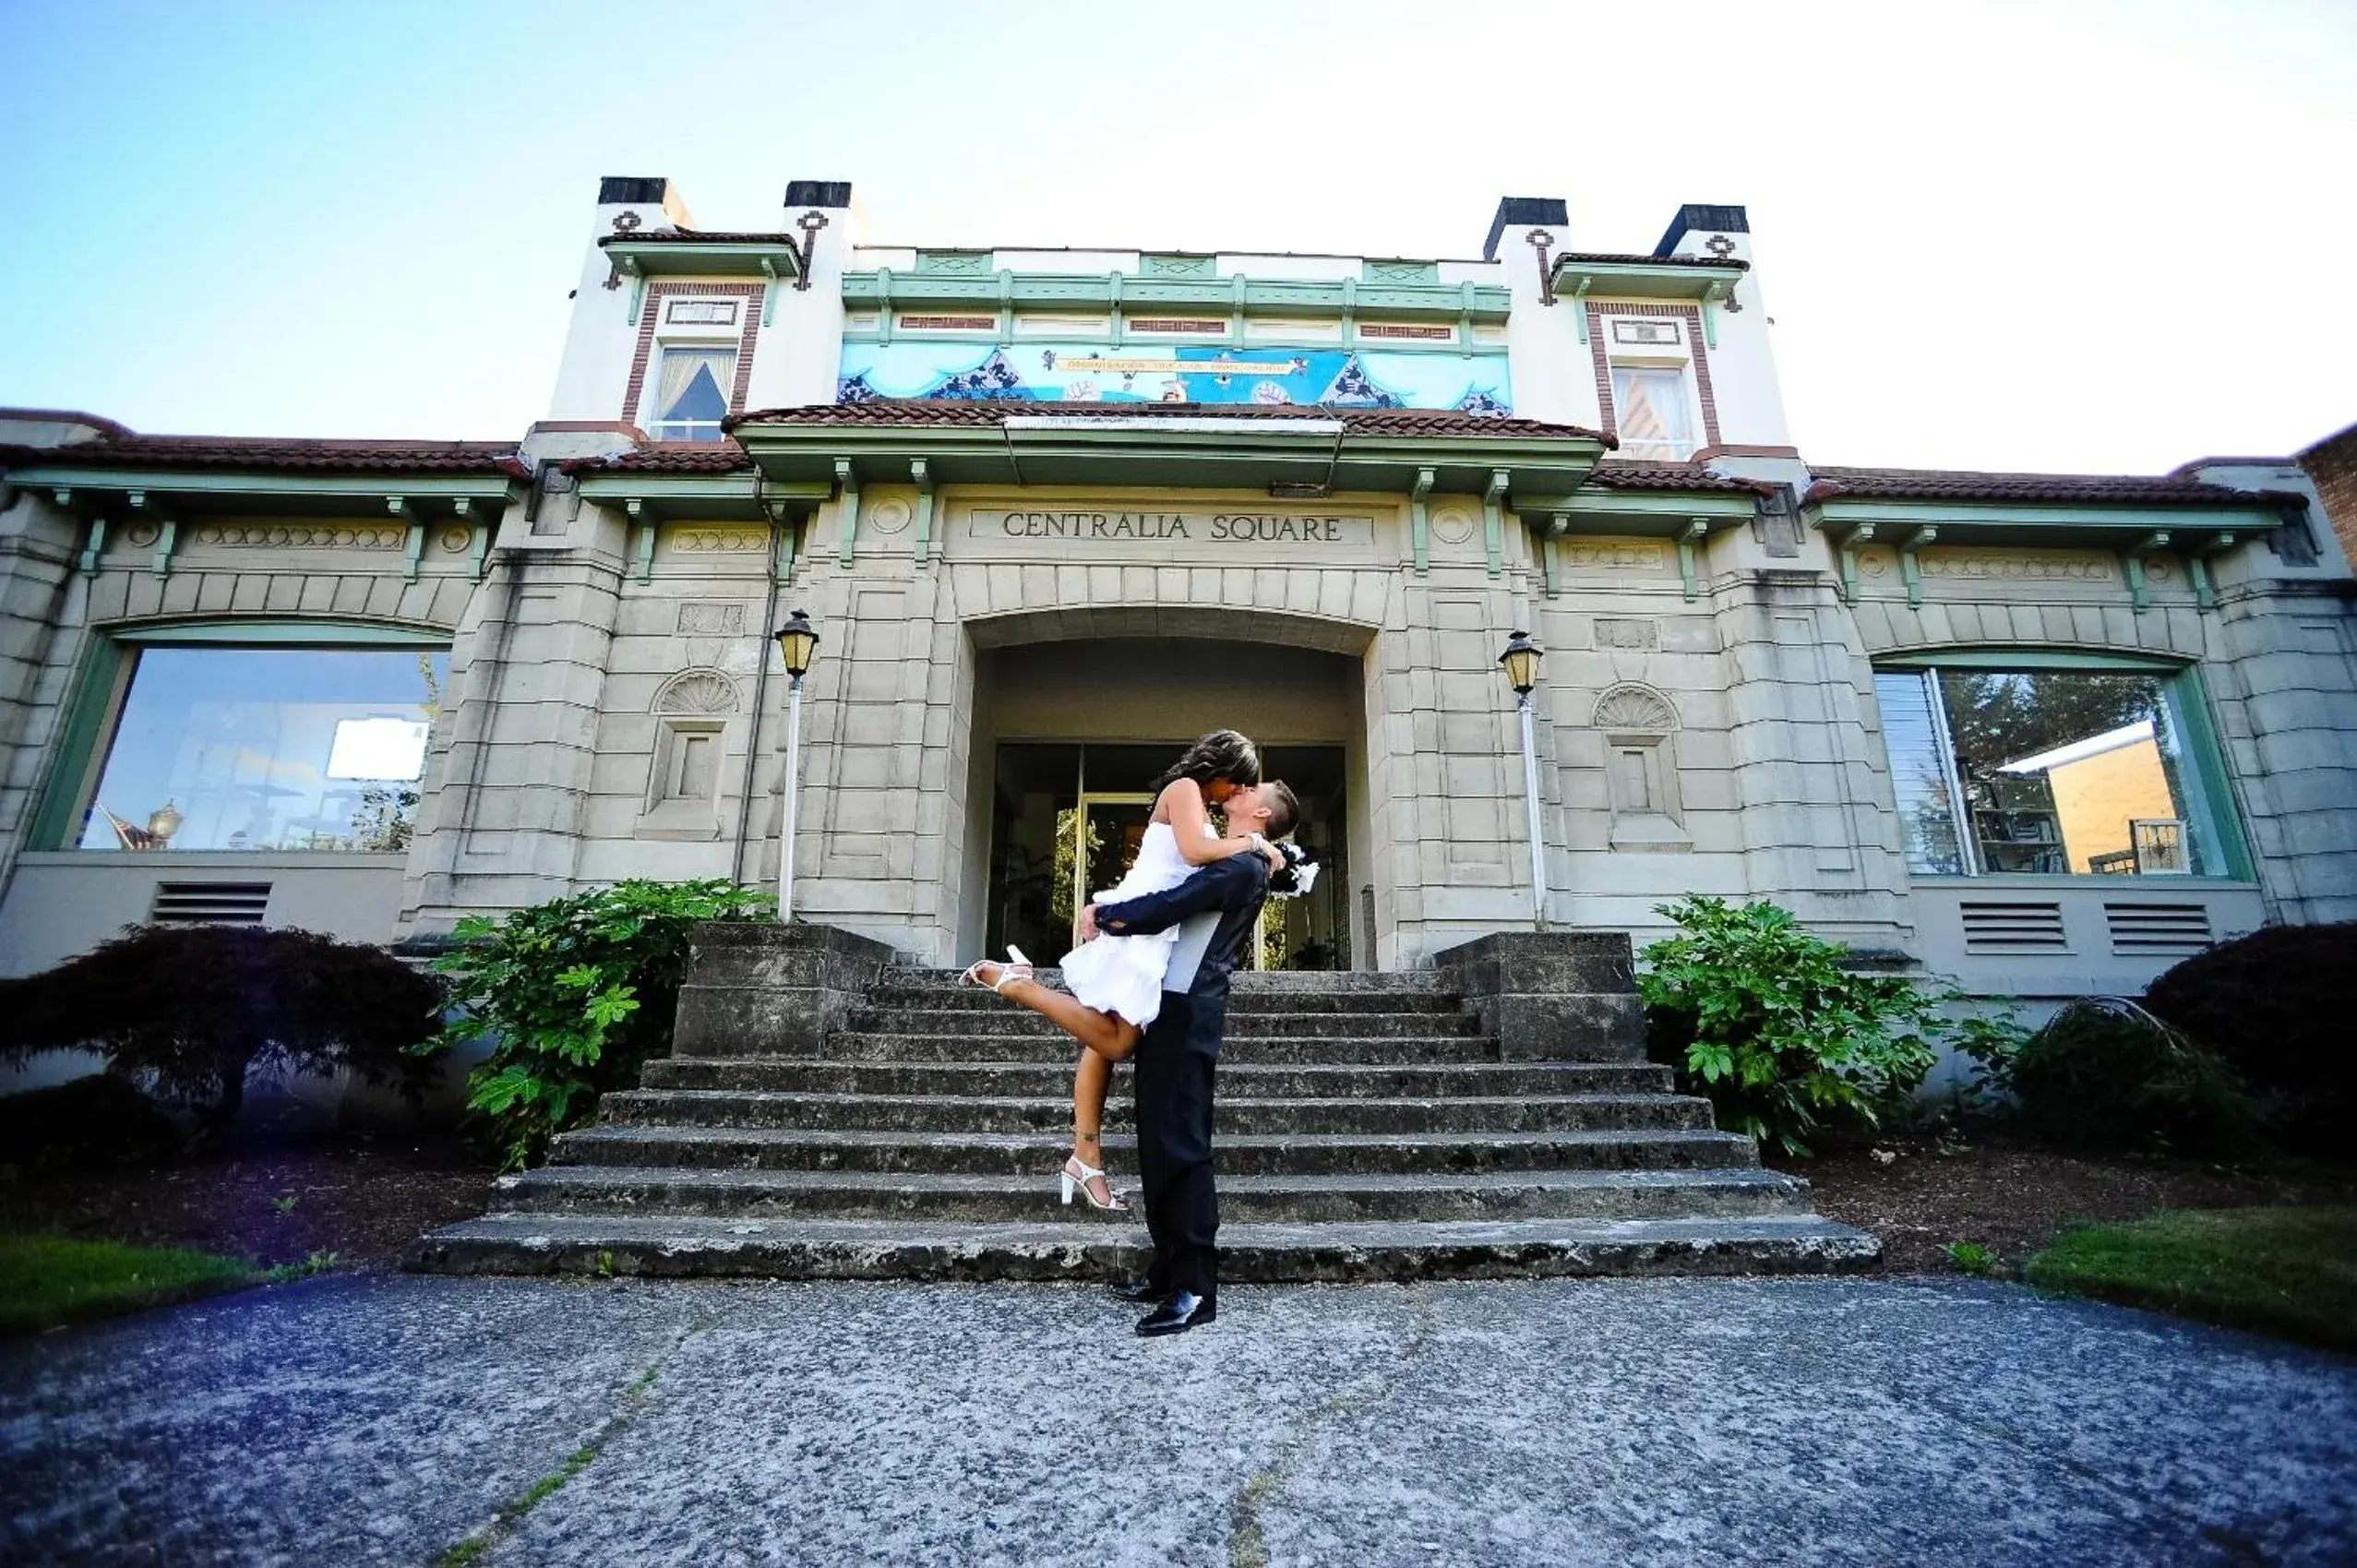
(1150, 979)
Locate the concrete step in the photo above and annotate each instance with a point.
(1029, 1153)
(1292, 1199)
(987, 1078)
(1011, 1020)
(951, 1113)
(1246, 987)
(1309, 1050)
(976, 998)
(807, 1249)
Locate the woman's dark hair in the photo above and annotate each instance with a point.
(1222, 754)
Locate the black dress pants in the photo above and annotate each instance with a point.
(1173, 1071)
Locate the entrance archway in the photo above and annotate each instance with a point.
(1068, 731)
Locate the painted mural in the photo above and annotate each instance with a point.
(1071, 372)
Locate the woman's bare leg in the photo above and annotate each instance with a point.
(1091, 1079)
(1104, 1033)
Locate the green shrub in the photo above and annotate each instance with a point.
(190, 1010)
(1762, 1017)
(2104, 1073)
(93, 1120)
(573, 995)
(2277, 1005)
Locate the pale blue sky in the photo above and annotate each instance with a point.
(1987, 233)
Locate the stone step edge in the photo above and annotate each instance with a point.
(1252, 1254)
(1227, 1102)
(1693, 1179)
(828, 1137)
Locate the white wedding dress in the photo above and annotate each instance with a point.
(1123, 975)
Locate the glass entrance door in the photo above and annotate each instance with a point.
(1107, 830)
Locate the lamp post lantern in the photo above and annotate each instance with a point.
(1520, 662)
(798, 643)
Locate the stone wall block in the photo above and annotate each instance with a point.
(755, 989)
(1565, 996)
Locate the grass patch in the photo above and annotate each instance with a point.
(2290, 1272)
(49, 1280)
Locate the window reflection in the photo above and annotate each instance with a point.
(267, 749)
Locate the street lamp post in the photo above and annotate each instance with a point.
(1521, 663)
(798, 642)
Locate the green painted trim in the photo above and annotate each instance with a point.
(1586, 506)
(953, 263)
(768, 291)
(1911, 568)
(1986, 657)
(640, 255)
(1419, 521)
(847, 481)
(1062, 290)
(74, 761)
(280, 634)
(413, 551)
(1494, 522)
(637, 296)
(1543, 536)
(167, 540)
(644, 556)
(2197, 573)
(1967, 515)
(783, 562)
(2189, 698)
(478, 556)
(1400, 271)
(1710, 320)
(93, 547)
(1177, 264)
(500, 490)
(1637, 279)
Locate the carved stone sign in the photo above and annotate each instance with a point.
(1054, 530)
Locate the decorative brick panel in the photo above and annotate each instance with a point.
(650, 314)
(1692, 318)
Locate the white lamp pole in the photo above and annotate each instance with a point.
(798, 642)
(1521, 661)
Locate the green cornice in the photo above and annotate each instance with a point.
(1989, 522)
(884, 289)
(230, 490)
(1131, 454)
(718, 497)
(656, 256)
(1575, 276)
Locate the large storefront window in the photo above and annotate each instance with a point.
(267, 749)
(2047, 771)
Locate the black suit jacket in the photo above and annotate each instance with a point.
(1229, 893)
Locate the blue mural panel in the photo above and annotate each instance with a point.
(1076, 372)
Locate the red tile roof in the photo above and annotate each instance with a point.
(1936, 485)
(1614, 259)
(985, 413)
(297, 455)
(669, 456)
(1616, 476)
(704, 237)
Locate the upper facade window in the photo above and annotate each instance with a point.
(691, 386)
(1651, 413)
(267, 749)
(2048, 771)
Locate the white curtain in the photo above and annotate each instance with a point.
(679, 367)
(1650, 412)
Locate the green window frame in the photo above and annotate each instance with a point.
(96, 701)
(2188, 700)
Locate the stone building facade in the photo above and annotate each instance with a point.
(1054, 512)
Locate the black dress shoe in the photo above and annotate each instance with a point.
(1141, 1290)
(1180, 1311)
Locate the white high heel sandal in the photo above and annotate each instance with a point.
(1017, 967)
(1077, 1174)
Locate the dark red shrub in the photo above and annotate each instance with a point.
(2281, 1006)
(188, 1009)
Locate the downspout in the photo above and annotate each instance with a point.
(760, 686)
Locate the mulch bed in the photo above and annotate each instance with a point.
(1919, 1195)
(362, 1196)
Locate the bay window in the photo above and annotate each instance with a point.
(2027, 767)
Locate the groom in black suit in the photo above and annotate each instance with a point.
(1215, 910)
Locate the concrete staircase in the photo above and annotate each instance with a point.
(1370, 1127)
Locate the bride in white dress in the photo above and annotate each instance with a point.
(1116, 982)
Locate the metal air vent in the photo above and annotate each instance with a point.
(2158, 927)
(1991, 927)
(210, 903)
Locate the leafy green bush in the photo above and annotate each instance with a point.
(2277, 1005)
(190, 1010)
(2104, 1073)
(573, 995)
(1762, 1017)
